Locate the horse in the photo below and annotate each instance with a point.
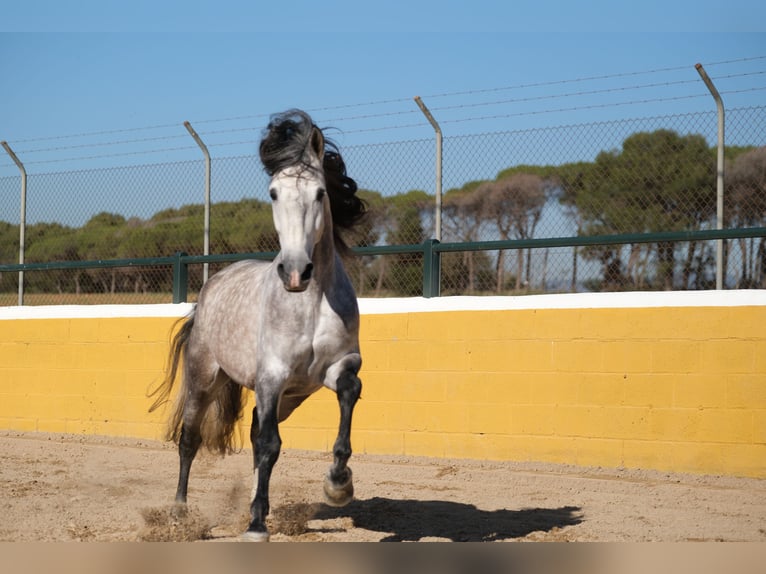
(283, 329)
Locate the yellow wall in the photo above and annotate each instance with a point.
(668, 388)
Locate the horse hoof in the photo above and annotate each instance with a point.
(179, 510)
(338, 494)
(255, 536)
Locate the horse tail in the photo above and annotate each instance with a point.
(220, 420)
(177, 348)
(222, 411)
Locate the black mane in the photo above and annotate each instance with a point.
(286, 142)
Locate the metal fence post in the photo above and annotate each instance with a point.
(720, 172)
(22, 216)
(180, 278)
(206, 239)
(431, 269)
(437, 129)
(432, 258)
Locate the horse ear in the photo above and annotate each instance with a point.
(317, 143)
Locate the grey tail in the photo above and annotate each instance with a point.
(222, 411)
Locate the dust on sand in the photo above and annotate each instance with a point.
(56, 487)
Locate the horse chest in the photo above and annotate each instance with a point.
(317, 347)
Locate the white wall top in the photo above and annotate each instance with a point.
(390, 305)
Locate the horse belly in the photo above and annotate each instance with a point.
(294, 394)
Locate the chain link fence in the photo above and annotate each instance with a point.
(648, 175)
(638, 175)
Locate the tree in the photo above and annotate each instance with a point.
(51, 242)
(514, 204)
(659, 181)
(405, 216)
(461, 221)
(569, 181)
(99, 238)
(746, 207)
(9, 253)
(9, 242)
(366, 272)
(242, 227)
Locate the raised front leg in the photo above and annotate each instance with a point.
(266, 447)
(338, 485)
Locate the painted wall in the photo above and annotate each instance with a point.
(669, 381)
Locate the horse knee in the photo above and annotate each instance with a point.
(349, 387)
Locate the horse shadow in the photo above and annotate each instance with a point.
(412, 520)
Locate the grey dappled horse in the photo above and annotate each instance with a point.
(283, 328)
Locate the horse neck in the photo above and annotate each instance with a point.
(324, 253)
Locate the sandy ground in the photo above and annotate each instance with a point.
(64, 487)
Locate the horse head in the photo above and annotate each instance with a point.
(293, 153)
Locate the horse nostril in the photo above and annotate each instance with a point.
(306, 275)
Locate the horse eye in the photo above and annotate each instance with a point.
(273, 194)
(320, 193)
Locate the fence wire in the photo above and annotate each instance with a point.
(637, 175)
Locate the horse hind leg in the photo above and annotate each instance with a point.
(188, 445)
(195, 404)
(189, 442)
(338, 484)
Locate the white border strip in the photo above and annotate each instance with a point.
(734, 298)
(391, 305)
(94, 311)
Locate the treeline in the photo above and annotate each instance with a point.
(658, 181)
(243, 226)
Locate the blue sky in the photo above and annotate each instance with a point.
(127, 74)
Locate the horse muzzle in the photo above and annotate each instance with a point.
(295, 278)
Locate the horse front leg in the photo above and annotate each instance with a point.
(266, 446)
(338, 485)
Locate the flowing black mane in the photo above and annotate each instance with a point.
(286, 142)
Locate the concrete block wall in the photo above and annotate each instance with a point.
(668, 381)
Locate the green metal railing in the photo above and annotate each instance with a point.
(431, 251)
